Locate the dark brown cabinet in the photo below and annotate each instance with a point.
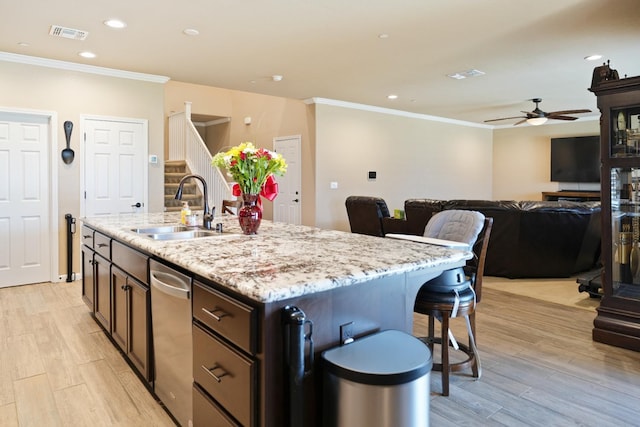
(115, 288)
(225, 371)
(102, 286)
(618, 319)
(130, 320)
(88, 291)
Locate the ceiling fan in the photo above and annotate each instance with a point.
(538, 117)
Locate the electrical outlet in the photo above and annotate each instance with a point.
(346, 333)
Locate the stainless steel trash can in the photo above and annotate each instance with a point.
(379, 380)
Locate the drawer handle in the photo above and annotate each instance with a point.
(218, 377)
(102, 245)
(86, 236)
(214, 315)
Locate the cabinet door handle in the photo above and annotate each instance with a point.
(102, 245)
(213, 314)
(218, 377)
(86, 236)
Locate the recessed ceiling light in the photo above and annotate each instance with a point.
(383, 36)
(276, 77)
(24, 44)
(467, 73)
(592, 57)
(456, 76)
(87, 54)
(392, 96)
(191, 32)
(115, 23)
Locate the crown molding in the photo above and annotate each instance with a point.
(364, 107)
(82, 68)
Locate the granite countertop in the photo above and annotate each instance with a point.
(282, 261)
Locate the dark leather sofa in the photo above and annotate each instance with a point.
(365, 214)
(529, 238)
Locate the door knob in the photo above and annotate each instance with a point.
(295, 200)
(137, 205)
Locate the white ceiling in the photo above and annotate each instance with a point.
(332, 49)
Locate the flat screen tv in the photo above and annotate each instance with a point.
(575, 159)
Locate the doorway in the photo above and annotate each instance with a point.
(287, 206)
(115, 167)
(28, 202)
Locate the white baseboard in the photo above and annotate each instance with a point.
(74, 277)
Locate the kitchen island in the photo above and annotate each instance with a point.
(334, 278)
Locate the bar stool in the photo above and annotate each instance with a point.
(228, 205)
(455, 293)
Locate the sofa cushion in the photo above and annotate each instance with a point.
(501, 257)
(418, 212)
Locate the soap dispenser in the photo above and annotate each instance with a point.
(184, 212)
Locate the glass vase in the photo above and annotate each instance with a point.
(250, 214)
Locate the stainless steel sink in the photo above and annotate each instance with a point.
(179, 235)
(161, 229)
(176, 232)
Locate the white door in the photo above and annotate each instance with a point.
(115, 167)
(24, 199)
(287, 206)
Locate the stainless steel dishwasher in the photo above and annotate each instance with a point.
(172, 343)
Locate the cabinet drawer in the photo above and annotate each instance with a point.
(207, 413)
(87, 236)
(131, 261)
(227, 316)
(102, 245)
(227, 375)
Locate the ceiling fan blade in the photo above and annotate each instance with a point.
(563, 112)
(554, 117)
(521, 121)
(505, 118)
(533, 114)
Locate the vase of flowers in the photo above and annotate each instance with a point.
(253, 170)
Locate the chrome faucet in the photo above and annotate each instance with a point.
(206, 216)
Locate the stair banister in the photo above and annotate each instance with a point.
(185, 143)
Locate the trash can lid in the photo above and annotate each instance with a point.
(385, 358)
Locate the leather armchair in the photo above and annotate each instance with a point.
(365, 214)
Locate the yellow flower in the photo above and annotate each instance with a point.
(250, 166)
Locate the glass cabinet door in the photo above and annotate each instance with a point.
(625, 127)
(625, 215)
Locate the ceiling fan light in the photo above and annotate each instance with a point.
(537, 121)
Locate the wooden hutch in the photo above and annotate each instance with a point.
(618, 319)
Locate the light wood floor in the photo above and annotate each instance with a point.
(57, 368)
(540, 366)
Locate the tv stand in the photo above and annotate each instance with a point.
(575, 195)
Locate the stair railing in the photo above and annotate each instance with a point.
(185, 143)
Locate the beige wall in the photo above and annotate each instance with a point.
(72, 94)
(522, 159)
(413, 158)
(270, 117)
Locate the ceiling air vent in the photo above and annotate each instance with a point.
(68, 33)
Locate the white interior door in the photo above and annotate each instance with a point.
(287, 206)
(115, 174)
(24, 199)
